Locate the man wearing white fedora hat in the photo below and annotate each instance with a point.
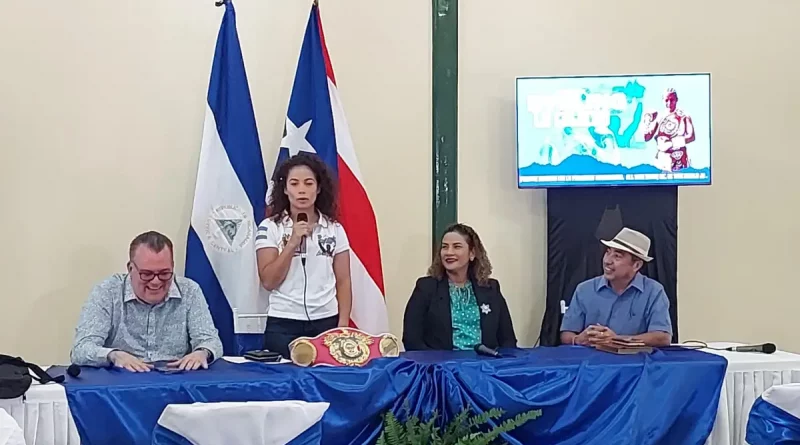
(622, 301)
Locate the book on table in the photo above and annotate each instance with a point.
(624, 345)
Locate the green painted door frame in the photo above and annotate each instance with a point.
(445, 116)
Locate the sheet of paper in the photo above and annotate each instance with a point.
(244, 360)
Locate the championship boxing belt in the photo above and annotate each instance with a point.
(342, 347)
(678, 142)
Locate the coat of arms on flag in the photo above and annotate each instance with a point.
(229, 199)
(231, 190)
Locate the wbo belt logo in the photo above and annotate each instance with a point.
(229, 228)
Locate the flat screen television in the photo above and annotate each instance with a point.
(628, 130)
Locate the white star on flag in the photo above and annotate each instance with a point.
(295, 139)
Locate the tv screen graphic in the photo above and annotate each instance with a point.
(628, 130)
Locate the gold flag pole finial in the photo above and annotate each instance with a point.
(316, 2)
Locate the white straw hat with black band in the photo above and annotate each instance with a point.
(631, 241)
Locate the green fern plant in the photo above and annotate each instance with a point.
(463, 429)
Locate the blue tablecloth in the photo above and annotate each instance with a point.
(586, 396)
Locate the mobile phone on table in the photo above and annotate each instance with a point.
(164, 368)
(263, 355)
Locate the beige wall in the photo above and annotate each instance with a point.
(101, 110)
(738, 239)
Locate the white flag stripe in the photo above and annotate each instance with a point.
(218, 184)
(344, 142)
(369, 307)
(369, 311)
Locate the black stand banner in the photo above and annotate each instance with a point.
(578, 218)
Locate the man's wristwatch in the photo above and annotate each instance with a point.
(209, 354)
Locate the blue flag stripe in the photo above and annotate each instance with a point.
(229, 100)
(310, 96)
(238, 145)
(199, 269)
(283, 154)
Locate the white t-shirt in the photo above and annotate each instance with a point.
(319, 282)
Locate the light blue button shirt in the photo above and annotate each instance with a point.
(642, 307)
(113, 318)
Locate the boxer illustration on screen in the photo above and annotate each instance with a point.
(673, 131)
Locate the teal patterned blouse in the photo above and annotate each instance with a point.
(466, 316)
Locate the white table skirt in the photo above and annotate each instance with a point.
(46, 420)
(44, 415)
(749, 375)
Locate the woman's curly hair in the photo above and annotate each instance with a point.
(327, 202)
(480, 268)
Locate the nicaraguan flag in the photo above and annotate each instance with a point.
(316, 123)
(229, 199)
(775, 417)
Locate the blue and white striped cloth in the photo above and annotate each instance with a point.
(775, 417)
(287, 422)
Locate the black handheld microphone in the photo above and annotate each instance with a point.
(74, 371)
(489, 352)
(302, 217)
(765, 348)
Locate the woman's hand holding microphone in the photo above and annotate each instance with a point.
(300, 229)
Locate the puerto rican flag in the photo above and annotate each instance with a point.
(316, 123)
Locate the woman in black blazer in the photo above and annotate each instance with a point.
(457, 306)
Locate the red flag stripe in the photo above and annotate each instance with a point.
(326, 56)
(358, 219)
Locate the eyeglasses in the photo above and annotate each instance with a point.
(149, 275)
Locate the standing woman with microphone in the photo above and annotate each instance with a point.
(303, 255)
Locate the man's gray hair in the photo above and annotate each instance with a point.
(153, 240)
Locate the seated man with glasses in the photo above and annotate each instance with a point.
(145, 316)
